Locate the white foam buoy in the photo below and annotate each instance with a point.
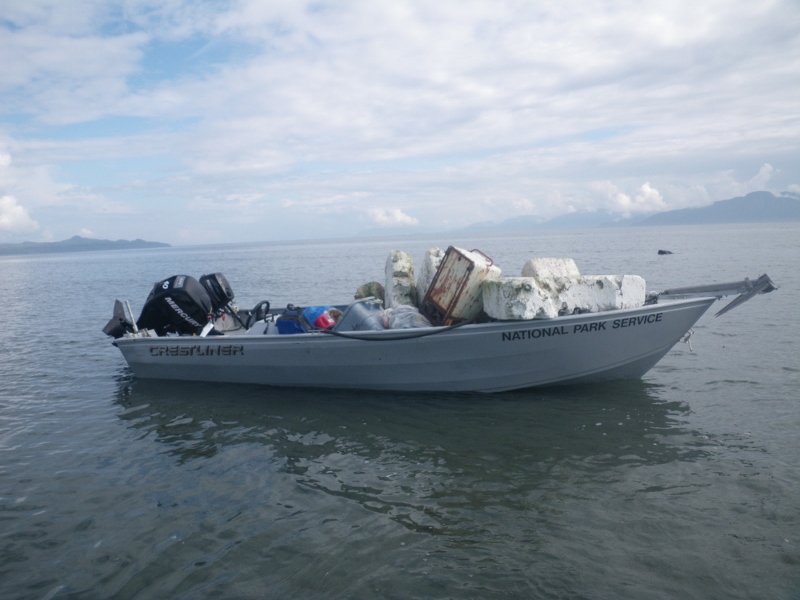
(400, 288)
(433, 258)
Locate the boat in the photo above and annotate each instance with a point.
(473, 355)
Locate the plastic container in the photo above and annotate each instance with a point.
(324, 321)
(362, 315)
(312, 313)
(291, 321)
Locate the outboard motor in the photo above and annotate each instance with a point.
(218, 289)
(120, 323)
(179, 304)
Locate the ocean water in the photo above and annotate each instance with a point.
(683, 485)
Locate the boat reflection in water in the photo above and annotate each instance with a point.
(427, 461)
(360, 494)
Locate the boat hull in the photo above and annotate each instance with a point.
(490, 357)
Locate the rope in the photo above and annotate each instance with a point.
(388, 338)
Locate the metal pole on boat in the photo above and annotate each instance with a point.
(130, 314)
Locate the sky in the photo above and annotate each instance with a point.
(200, 121)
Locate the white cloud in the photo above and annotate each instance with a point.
(462, 111)
(523, 206)
(617, 200)
(242, 200)
(765, 173)
(390, 217)
(644, 200)
(89, 203)
(649, 199)
(730, 183)
(64, 79)
(14, 218)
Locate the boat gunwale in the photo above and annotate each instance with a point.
(414, 334)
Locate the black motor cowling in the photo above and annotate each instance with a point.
(179, 304)
(218, 289)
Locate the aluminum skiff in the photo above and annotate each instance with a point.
(488, 357)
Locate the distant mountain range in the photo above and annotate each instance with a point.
(76, 244)
(577, 220)
(756, 207)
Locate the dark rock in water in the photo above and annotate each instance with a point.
(372, 289)
(664, 252)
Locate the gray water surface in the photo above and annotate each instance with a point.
(683, 485)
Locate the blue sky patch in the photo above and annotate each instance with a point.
(116, 172)
(100, 128)
(192, 57)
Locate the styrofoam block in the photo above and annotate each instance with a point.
(517, 298)
(433, 258)
(400, 288)
(550, 267)
(521, 298)
(633, 290)
(598, 293)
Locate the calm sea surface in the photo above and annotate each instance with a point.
(683, 485)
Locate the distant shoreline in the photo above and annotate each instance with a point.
(754, 208)
(76, 244)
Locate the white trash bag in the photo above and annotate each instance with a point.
(404, 317)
